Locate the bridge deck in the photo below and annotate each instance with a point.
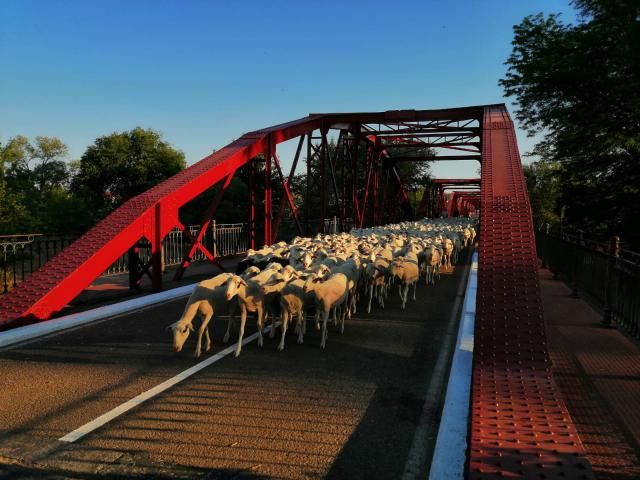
(350, 411)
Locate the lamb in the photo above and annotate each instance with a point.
(207, 298)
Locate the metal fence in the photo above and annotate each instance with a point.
(608, 275)
(20, 255)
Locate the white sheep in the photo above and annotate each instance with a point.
(330, 293)
(207, 298)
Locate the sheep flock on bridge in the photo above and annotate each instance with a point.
(328, 275)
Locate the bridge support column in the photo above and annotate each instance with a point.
(156, 252)
(252, 204)
(268, 153)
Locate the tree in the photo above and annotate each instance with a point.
(543, 186)
(122, 165)
(30, 174)
(579, 85)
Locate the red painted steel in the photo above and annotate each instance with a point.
(520, 427)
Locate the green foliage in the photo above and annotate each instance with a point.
(40, 192)
(579, 85)
(122, 165)
(544, 191)
(30, 175)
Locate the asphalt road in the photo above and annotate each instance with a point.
(349, 411)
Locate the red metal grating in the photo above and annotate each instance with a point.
(520, 426)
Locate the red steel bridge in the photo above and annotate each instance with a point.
(519, 422)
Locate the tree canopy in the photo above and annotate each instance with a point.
(41, 192)
(579, 87)
(121, 165)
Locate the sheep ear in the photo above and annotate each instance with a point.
(170, 327)
(242, 282)
(190, 326)
(316, 280)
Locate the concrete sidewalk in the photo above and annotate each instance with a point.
(598, 372)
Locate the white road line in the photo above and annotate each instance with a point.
(143, 397)
(48, 327)
(450, 453)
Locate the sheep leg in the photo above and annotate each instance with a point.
(370, 298)
(415, 285)
(302, 321)
(207, 311)
(325, 334)
(285, 322)
(403, 297)
(225, 339)
(272, 332)
(344, 314)
(260, 321)
(243, 321)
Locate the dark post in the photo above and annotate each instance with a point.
(134, 268)
(543, 244)
(576, 265)
(614, 252)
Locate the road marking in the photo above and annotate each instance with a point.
(422, 442)
(450, 453)
(48, 327)
(143, 397)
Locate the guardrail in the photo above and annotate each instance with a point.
(606, 274)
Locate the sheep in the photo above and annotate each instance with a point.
(329, 293)
(433, 259)
(207, 299)
(448, 251)
(293, 301)
(407, 271)
(376, 274)
(250, 298)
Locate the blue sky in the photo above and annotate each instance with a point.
(204, 72)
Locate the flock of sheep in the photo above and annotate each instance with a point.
(325, 275)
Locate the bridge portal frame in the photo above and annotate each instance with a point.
(519, 424)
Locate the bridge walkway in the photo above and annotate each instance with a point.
(349, 411)
(598, 372)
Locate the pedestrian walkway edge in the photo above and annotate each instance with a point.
(449, 455)
(30, 332)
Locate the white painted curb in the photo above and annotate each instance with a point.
(450, 451)
(29, 332)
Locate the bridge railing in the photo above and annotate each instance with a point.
(605, 274)
(21, 255)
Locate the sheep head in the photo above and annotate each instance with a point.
(233, 286)
(180, 332)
